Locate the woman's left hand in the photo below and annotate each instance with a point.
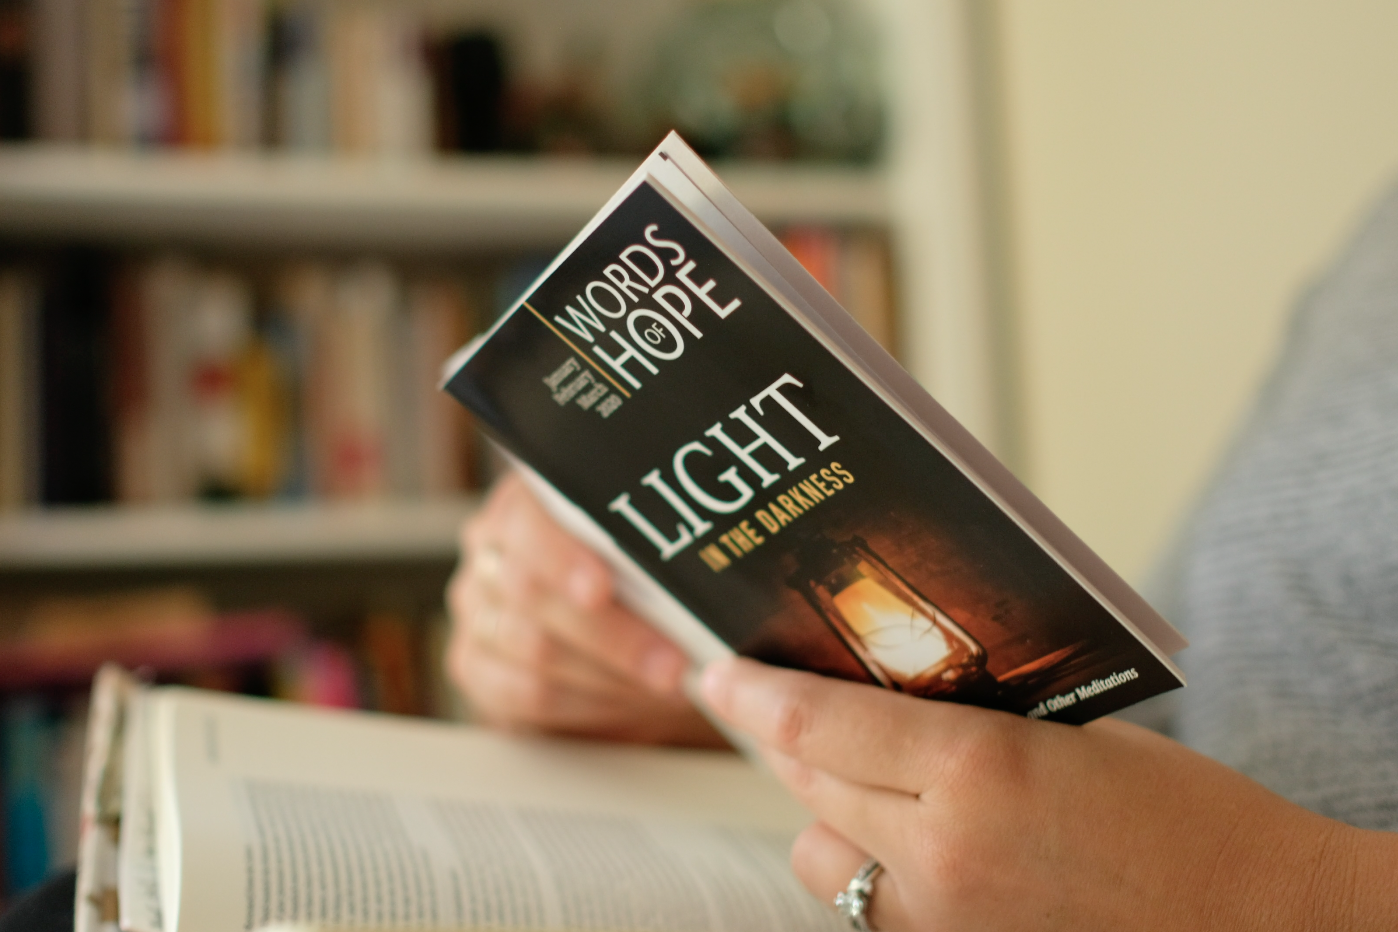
(987, 821)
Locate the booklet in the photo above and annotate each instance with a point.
(765, 479)
(218, 813)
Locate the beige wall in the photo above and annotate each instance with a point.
(1175, 171)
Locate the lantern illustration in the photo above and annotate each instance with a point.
(904, 640)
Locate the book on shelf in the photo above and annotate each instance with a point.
(402, 79)
(40, 779)
(205, 74)
(164, 379)
(765, 478)
(853, 267)
(354, 79)
(381, 659)
(60, 641)
(214, 812)
(19, 349)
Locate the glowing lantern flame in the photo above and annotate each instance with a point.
(902, 639)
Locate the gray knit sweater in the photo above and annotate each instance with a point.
(1286, 580)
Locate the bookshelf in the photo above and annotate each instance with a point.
(231, 200)
(924, 193)
(452, 203)
(367, 578)
(180, 536)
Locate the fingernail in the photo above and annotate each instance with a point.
(584, 586)
(662, 667)
(716, 684)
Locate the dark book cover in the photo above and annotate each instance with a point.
(16, 52)
(75, 418)
(734, 451)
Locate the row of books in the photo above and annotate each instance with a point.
(385, 661)
(165, 379)
(169, 378)
(348, 77)
(855, 266)
(764, 79)
(354, 78)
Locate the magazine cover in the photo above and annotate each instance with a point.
(734, 451)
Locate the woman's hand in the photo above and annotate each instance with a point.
(987, 821)
(539, 643)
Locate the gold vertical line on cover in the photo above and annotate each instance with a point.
(588, 359)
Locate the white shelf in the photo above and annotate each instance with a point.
(195, 535)
(308, 200)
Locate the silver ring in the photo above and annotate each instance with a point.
(853, 903)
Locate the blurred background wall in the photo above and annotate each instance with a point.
(1173, 173)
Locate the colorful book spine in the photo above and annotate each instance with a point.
(73, 332)
(16, 29)
(220, 333)
(18, 351)
(132, 442)
(109, 26)
(440, 319)
(357, 399)
(391, 645)
(240, 55)
(24, 733)
(855, 267)
(202, 74)
(162, 378)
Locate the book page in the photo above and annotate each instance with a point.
(272, 813)
(138, 888)
(96, 902)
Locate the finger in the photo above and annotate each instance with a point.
(515, 698)
(506, 694)
(629, 715)
(522, 639)
(524, 643)
(619, 640)
(529, 537)
(610, 637)
(825, 862)
(859, 732)
(874, 818)
(511, 531)
(540, 561)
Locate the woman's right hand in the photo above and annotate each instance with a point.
(539, 641)
(983, 820)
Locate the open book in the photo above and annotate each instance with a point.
(765, 479)
(215, 813)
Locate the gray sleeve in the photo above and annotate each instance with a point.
(1285, 578)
